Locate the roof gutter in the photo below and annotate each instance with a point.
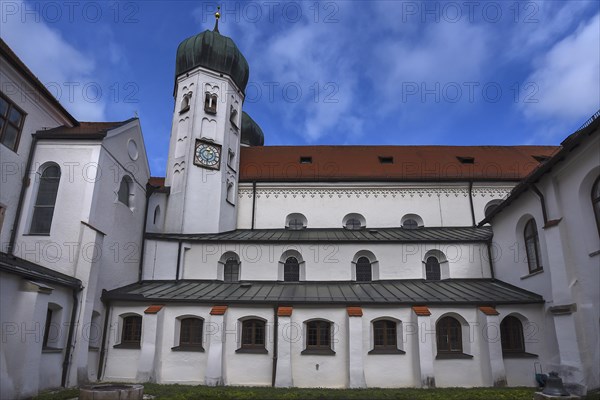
(149, 191)
(275, 343)
(24, 185)
(253, 203)
(471, 203)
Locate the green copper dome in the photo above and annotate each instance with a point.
(252, 135)
(213, 51)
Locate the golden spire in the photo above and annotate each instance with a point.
(217, 16)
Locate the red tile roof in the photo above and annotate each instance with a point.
(153, 309)
(410, 163)
(85, 130)
(354, 311)
(218, 310)
(284, 311)
(421, 311)
(488, 310)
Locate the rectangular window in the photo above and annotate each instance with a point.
(47, 328)
(11, 123)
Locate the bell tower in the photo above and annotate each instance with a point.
(211, 75)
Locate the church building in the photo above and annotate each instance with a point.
(286, 266)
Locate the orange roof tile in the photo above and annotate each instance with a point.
(154, 309)
(488, 310)
(410, 163)
(284, 311)
(421, 311)
(218, 310)
(354, 311)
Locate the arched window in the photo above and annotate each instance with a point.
(124, 194)
(596, 202)
(210, 103)
(132, 330)
(532, 246)
(156, 215)
(253, 334)
(291, 270)
(190, 333)
(353, 224)
(363, 270)
(296, 222)
(318, 337)
(449, 336)
(384, 335)
(45, 201)
(185, 103)
(511, 334)
(233, 116)
(231, 270)
(410, 224)
(432, 269)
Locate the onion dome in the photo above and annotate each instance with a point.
(252, 135)
(211, 50)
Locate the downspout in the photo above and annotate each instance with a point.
(489, 249)
(253, 202)
(67, 361)
(542, 202)
(149, 192)
(275, 344)
(24, 186)
(471, 202)
(178, 260)
(105, 334)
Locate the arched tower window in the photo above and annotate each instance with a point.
(43, 210)
(156, 215)
(291, 270)
(432, 269)
(185, 103)
(210, 103)
(532, 246)
(596, 202)
(125, 191)
(363, 270)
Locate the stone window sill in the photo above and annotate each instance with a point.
(386, 351)
(36, 234)
(594, 253)
(318, 352)
(134, 346)
(539, 271)
(252, 350)
(51, 350)
(188, 347)
(453, 356)
(518, 355)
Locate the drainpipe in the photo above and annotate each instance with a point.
(471, 202)
(67, 361)
(542, 202)
(275, 344)
(178, 260)
(253, 202)
(491, 261)
(149, 192)
(24, 185)
(105, 335)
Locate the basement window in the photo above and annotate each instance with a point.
(466, 160)
(305, 160)
(386, 160)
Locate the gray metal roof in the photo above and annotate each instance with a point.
(30, 270)
(395, 235)
(409, 291)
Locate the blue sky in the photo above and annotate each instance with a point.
(331, 72)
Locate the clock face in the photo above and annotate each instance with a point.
(207, 155)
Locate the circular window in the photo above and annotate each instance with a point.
(132, 150)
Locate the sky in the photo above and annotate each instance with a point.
(330, 72)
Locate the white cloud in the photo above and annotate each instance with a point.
(568, 77)
(64, 69)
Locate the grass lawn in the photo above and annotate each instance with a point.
(182, 392)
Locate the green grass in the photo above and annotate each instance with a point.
(183, 392)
